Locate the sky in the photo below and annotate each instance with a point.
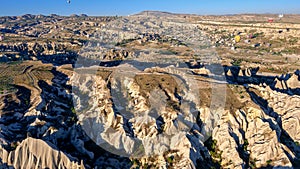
(127, 7)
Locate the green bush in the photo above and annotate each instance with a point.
(245, 145)
(236, 62)
(170, 159)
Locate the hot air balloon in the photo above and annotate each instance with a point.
(237, 38)
(270, 20)
(280, 16)
(1, 37)
(68, 1)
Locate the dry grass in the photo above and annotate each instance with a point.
(150, 82)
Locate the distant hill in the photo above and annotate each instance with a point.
(159, 13)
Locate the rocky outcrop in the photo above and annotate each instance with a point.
(35, 153)
(288, 82)
(250, 135)
(263, 135)
(285, 108)
(117, 55)
(229, 139)
(137, 124)
(35, 49)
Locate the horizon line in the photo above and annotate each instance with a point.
(174, 13)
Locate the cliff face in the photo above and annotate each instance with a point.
(35, 153)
